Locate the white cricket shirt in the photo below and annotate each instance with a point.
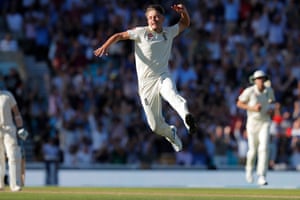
(152, 52)
(252, 96)
(7, 102)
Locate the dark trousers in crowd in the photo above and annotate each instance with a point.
(51, 172)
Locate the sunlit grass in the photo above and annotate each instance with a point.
(64, 193)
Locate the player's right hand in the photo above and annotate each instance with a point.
(100, 52)
(257, 107)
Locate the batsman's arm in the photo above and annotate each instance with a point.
(111, 40)
(17, 116)
(21, 131)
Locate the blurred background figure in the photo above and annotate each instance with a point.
(8, 44)
(52, 158)
(259, 102)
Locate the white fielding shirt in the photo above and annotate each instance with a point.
(252, 96)
(152, 52)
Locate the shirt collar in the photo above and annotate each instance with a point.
(257, 90)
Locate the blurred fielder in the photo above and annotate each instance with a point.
(153, 45)
(11, 125)
(258, 100)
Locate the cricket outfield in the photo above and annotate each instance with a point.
(85, 193)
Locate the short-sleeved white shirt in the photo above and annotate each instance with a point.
(152, 52)
(7, 102)
(252, 96)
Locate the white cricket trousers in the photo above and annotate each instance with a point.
(8, 144)
(151, 98)
(258, 144)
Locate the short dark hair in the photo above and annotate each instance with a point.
(156, 7)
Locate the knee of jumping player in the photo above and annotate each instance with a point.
(161, 130)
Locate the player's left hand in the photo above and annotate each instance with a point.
(257, 107)
(22, 133)
(178, 8)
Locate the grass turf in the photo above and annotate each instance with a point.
(68, 193)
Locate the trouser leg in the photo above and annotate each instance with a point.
(262, 161)
(48, 173)
(14, 160)
(54, 172)
(252, 150)
(170, 94)
(13, 155)
(153, 110)
(2, 163)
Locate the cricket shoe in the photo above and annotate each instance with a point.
(189, 120)
(175, 140)
(262, 180)
(16, 189)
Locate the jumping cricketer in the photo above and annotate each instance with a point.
(153, 45)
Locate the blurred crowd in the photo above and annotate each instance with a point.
(92, 111)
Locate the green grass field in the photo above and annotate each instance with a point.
(64, 193)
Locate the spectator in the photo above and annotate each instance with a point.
(15, 21)
(52, 158)
(260, 24)
(276, 32)
(199, 153)
(185, 157)
(187, 75)
(231, 13)
(295, 158)
(70, 156)
(42, 40)
(8, 44)
(221, 147)
(85, 153)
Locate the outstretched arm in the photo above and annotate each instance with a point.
(111, 40)
(184, 21)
